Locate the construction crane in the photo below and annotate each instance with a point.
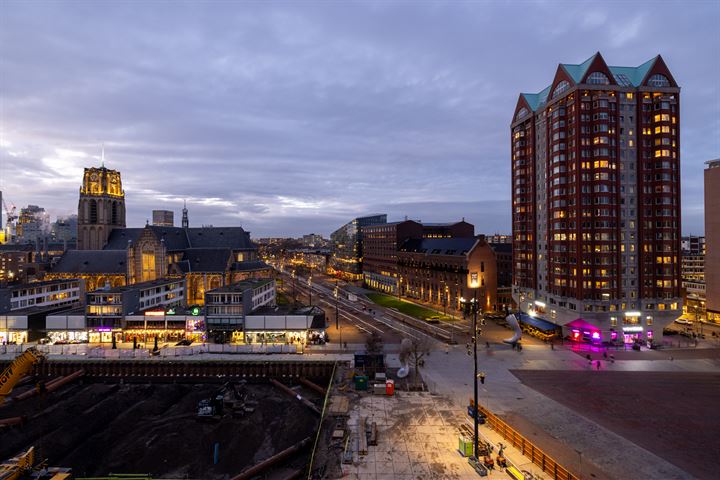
(9, 212)
(16, 467)
(20, 367)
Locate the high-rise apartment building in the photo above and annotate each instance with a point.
(596, 200)
(712, 240)
(163, 218)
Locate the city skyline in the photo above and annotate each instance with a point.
(290, 119)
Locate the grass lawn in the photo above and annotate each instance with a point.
(281, 299)
(407, 308)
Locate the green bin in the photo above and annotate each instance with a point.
(361, 382)
(465, 446)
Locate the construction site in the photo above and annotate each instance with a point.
(211, 419)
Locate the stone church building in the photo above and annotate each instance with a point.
(110, 254)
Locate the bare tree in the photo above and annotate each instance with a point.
(374, 343)
(416, 349)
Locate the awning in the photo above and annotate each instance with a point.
(538, 323)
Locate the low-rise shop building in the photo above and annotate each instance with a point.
(107, 309)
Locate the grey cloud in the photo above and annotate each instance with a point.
(297, 116)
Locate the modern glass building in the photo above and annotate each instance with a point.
(347, 246)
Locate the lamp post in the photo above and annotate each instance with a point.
(337, 312)
(310, 288)
(475, 373)
(400, 287)
(474, 283)
(294, 296)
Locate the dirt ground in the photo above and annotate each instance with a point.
(672, 414)
(151, 428)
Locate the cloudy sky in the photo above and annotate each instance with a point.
(293, 117)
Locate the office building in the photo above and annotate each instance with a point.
(712, 240)
(443, 270)
(596, 201)
(33, 224)
(382, 242)
(693, 284)
(24, 307)
(226, 307)
(163, 218)
(65, 229)
(693, 244)
(347, 246)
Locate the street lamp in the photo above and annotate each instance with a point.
(474, 283)
(337, 312)
(294, 296)
(400, 287)
(310, 288)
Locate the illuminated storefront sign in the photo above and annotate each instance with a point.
(632, 329)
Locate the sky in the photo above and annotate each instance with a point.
(294, 117)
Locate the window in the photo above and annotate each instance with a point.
(658, 80)
(561, 87)
(598, 78)
(522, 113)
(148, 265)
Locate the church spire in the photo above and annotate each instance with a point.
(185, 223)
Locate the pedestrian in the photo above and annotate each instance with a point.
(612, 358)
(487, 344)
(605, 354)
(671, 358)
(588, 357)
(552, 346)
(598, 364)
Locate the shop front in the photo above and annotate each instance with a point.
(195, 329)
(59, 337)
(13, 329)
(634, 334)
(67, 327)
(146, 328)
(104, 335)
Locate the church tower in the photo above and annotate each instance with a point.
(101, 207)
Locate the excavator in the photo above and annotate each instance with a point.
(20, 367)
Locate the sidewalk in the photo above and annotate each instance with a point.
(540, 418)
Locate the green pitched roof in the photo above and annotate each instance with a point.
(634, 74)
(625, 76)
(577, 72)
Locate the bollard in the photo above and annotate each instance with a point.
(216, 454)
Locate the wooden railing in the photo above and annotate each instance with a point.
(527, 448)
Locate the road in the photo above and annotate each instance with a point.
(357, 319)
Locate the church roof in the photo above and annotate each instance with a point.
(205, 260)
(177, 238)
(92, 261)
